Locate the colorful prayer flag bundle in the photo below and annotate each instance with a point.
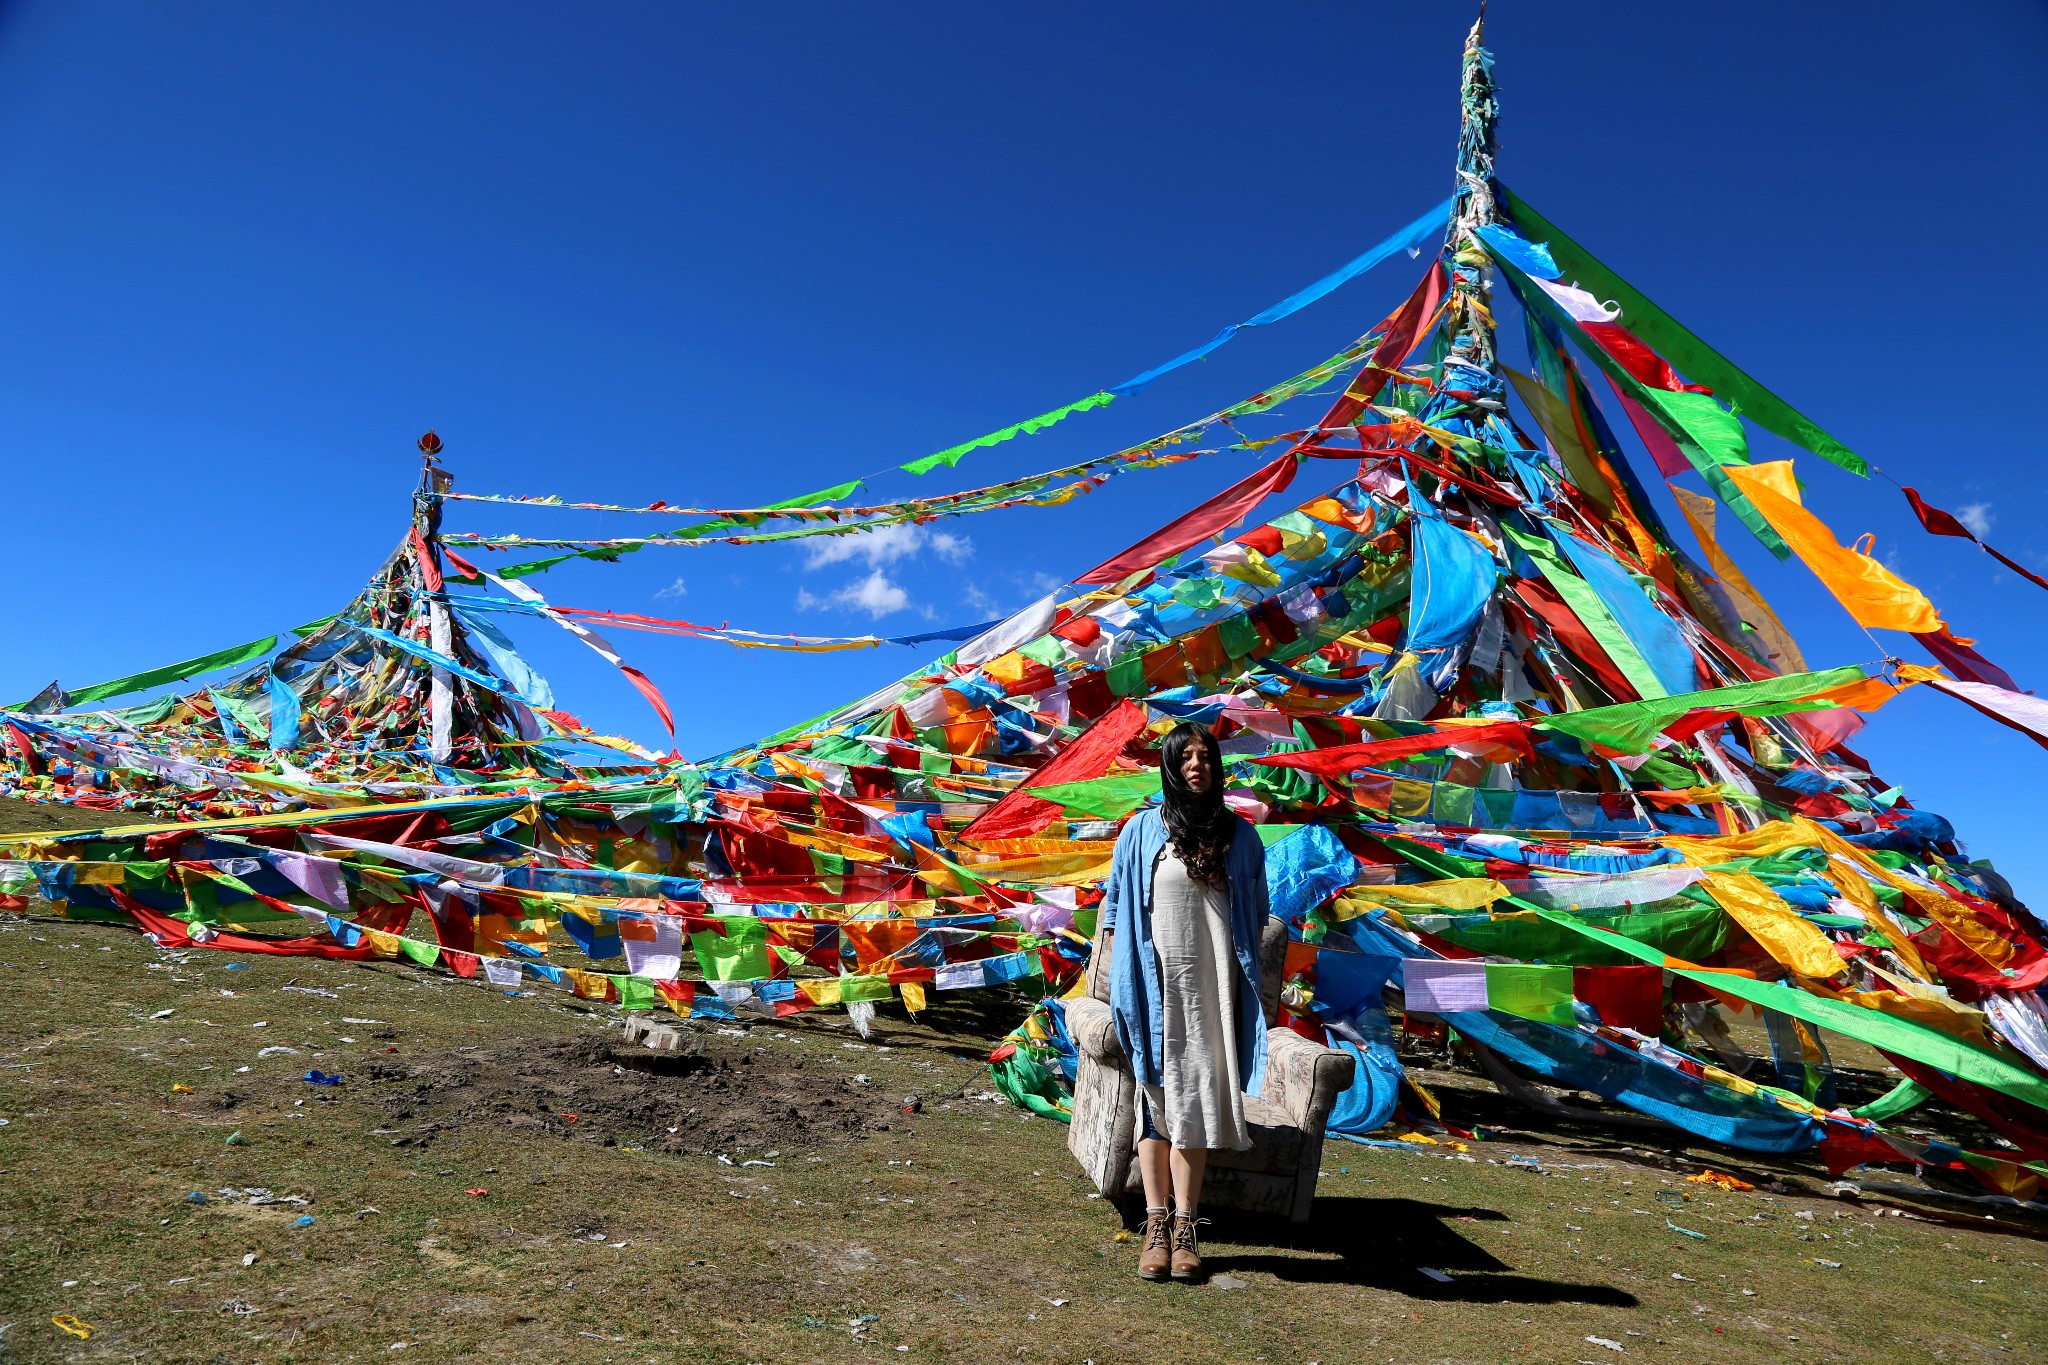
(1513, 751)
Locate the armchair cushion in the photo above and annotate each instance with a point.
(1303, 1079)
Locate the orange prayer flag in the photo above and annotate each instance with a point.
(1878, 598)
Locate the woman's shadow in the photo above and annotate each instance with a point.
(1387, 1244)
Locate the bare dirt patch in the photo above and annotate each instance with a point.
(38, 817)
(706, 1100)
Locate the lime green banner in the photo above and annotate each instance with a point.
(1101, 798)
(177, 672)
(1630, 726)
(1883, 1031)
(1687, 353)
(951, 455)
(1585, 603)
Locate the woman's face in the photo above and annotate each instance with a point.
(1196, 770)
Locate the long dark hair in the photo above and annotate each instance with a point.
(1200, 825)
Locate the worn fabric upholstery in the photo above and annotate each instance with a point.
(1277, 1174)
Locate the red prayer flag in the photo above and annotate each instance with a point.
(1336, 762)
(1638, 359)
(1936, 521)
(1626, 997)
(1020, 814)
(1219, 513)
(1963, 661)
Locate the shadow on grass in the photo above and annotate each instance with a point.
(1384, 1244)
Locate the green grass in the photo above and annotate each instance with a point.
(950, 1233)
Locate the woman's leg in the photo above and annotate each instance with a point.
(1153, 1170)
(1189, 1164)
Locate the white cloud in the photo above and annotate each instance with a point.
(886, 546)
(675, 589)
(1976, 516)
(875, 594)
(949, 547)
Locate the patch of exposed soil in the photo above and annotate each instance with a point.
(36, 817)
(592, 1089)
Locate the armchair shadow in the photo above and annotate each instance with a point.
(1383, 1244)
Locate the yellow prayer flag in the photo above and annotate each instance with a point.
(1749, 603)
(1451, 893)
(820, 990)
(1775, 925)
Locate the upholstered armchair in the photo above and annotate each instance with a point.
(1277, 1174)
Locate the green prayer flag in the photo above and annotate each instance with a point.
(950, 456)
(148, 713)
(1103, 798)
(1542, 993)
(1240, 637)
(1885, 1032)
(1630, 726)
(1127, 675)
(1585, 603)
(1894, 1102)
(636, 993)
(426, 954)
(242, 714)
(178, 672)
(1686, 352)
(853, 989)
(739, 954)
(1713, 428)
(1044, 650)
(705, 528)
(1690, 931)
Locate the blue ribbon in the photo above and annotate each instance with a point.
(1415, 235)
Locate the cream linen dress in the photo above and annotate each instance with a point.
(1199, 1105)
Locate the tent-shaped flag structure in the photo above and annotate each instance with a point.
(1514, 750)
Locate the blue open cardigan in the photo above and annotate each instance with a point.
(1134, 974)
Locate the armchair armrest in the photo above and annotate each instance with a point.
(1098, 964)
(1094, 1031)
(1303, 1079)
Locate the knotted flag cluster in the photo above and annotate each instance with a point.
(1523, 764)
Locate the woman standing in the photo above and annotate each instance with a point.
(1187, 895)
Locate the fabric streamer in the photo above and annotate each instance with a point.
(2014, 710)
(1224, 510)
(1453, 579)
(1430, 224)
(1021, 814)
(1876, 597)
(1755, 612)
(1940, 523)
(1692, 355)
(601, 646)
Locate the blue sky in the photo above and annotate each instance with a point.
(732, 253)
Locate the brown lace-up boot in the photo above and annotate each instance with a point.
(1187, 1255)
(1152, 1260)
